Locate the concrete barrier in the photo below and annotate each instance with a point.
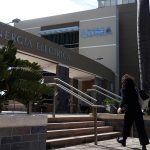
(23, 132)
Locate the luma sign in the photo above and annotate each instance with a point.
(96, 32)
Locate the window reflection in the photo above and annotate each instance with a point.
(107, 3)
(124, 1)
(115, 2)
(131, 1)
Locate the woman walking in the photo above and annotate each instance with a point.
(133, 112)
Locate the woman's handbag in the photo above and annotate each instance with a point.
(143, 99)
(143, 95)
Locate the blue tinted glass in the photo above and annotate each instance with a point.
(113, 2)
(119, 2)
(124, 1)
(107, 3)
(131, 1)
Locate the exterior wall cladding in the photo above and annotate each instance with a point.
(23, 138)
(128, 49)
(144, 41)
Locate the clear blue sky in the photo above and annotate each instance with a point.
(29, 9)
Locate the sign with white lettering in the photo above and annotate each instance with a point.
(95, 32)
(22, 40)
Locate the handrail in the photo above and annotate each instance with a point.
(79, 97)
(74, 94)
(69, 89)
(104, 95)
(107, 91)
(57, 79)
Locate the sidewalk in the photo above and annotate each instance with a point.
(132, 144)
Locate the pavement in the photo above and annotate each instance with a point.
(131, 144)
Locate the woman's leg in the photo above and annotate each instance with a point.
(128, 121)
(139, 122)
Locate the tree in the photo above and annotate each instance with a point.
(20, 79)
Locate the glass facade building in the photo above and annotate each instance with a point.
(103, 3)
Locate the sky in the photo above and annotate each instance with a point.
(31, 9)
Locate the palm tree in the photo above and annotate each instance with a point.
(20, 78)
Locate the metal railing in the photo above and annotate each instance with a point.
(80, 95)
(75, 89)
(105, 92)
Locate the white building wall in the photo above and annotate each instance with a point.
(98, 39)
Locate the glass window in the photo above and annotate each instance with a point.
(119, 2)
(101, 3)
(107, 3)
(124, 1)
(67, 39)
(113, 2)
(131, 1)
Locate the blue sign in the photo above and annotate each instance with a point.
(95, 32)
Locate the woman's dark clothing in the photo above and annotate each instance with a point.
(133, 114)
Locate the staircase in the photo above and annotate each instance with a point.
(68, 131)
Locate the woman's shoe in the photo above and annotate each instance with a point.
(144, 147)
(121, 141)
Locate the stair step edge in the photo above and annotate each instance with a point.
(101, 127)
(84, 136)
(74, 122)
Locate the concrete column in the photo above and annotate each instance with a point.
(74, 99)
(71, 98)
(99, 82)
(62, 106)
(80, 88)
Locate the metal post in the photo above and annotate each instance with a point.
(95, 123)
(54, 100)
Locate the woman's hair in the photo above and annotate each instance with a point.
(127, 81)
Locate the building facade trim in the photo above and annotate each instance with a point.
(94, 19)
(94, 46)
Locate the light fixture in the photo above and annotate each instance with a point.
(99, 58)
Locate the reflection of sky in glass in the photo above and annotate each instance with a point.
(131, 1)
(107, 3)
(125, 1)
(116, 2)
(113, 2)
(119, 2)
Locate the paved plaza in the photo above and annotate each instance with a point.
(132, 144)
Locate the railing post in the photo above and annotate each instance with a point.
(95, 123)
(54, 101)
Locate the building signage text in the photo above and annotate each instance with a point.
(95, 32)
(30, 44)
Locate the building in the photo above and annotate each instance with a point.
(57, 59)
(83, 48)
(103, 34)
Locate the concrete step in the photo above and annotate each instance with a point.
(73, 125)
(77, 132)
(69, 119)
(69, 141)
